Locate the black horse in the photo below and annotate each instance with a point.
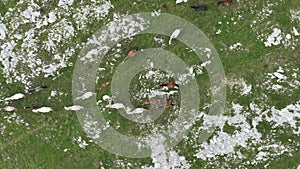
(200, 8)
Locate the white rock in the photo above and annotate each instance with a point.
(218, 31)
(246, 90)
(52, 17)
(295, 15)
(83, 144)
(65, 3)
(261, 155)
(3, 31)
(295, 32)
(279, 76)
(274, 39)
(155, 13)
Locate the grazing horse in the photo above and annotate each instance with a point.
(37, 89)
(174, 35)
(31, 107)
(152, 101)
(42, 110)
(167, 105)
(8, 109)
(200, 8)
(170, 85)
(225, 2)
(103, 85)
(130, 54)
